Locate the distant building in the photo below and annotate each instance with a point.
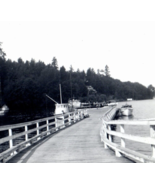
(129, 99)
(91, 90)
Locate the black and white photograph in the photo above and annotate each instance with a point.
(77, 82)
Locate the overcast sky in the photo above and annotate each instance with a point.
(127, 47)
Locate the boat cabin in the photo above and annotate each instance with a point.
(61, 108)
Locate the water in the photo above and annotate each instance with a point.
(143, 109)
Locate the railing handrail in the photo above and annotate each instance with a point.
(18, 125)
(106, 136)
(59, 122)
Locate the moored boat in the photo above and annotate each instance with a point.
(61, 108)
(3, 110)
(112, 103)
(74, 103)
(126, 110)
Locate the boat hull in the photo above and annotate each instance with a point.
(127, 112)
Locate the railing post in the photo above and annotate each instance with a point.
(10, 141)
(117, 153)
(26, 135)
(122, 139)
(69, 119)
(47, 126)
(74, 117)
(37, 125)
(110, 137)
(55, 122)
(152, 134)
(63, 120)
(105, 135)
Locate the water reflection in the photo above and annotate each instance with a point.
(131, 117)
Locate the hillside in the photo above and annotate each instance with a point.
(24, 84)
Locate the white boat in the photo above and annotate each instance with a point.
(74, 103)
(126, 110)
(112, 103)
(4, 110)
(61, 108)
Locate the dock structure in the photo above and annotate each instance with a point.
(76, 143)
(82, 136)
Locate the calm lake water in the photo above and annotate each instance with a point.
(141, 110)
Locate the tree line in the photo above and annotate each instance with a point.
(25, 83)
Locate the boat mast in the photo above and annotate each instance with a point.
(60, 93)
(51, 99)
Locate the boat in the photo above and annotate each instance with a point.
(74, 103)
(126, 110)
(62, 108)
(3, 110)
(112, 103)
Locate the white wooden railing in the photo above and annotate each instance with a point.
(39, 128)
(107, 135)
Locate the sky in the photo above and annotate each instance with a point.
(127, 46)
(84, 33)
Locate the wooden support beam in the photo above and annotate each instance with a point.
(47, 126)
(110, 137)
(152, 134)
(122, 139)
(10, 141)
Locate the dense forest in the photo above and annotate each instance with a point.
(25, 83)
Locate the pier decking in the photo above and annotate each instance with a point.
(79, 143)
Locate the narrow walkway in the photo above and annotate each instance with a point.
(80, 143)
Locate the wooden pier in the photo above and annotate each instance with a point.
(83, 136)
(77, 143)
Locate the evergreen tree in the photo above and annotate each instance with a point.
(107, 72)
(54, 63)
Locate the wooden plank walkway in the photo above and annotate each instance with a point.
(79, 143)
